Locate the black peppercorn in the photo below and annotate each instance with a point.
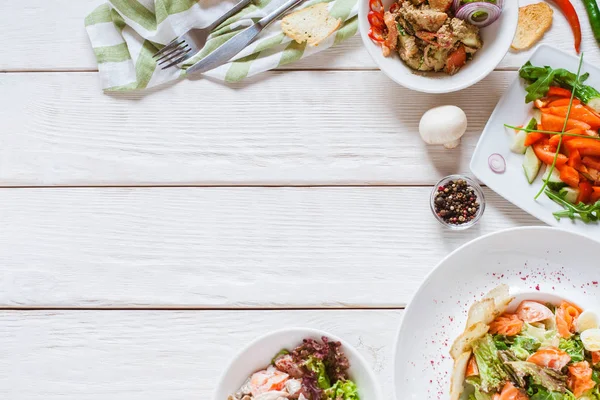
(460, 206)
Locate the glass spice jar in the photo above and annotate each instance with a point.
(457, 202)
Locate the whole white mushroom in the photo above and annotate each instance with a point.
(443, 125)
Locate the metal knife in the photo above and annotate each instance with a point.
(237, 43)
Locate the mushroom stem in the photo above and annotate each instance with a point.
(452, 144)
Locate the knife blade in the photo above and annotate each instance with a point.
(233, 46)
(226, 51)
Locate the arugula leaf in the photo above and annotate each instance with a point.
(587, 213)
(541, 78)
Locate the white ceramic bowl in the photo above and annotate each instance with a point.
(258, 355)
(538, 263)
(497, 39)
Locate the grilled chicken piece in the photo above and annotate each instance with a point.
(408, 48)
(391, 41)
(468, 34)
(440, 5)
(423, 19)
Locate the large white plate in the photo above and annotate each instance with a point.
(512, 110)
(540, 263)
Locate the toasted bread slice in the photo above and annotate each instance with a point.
(312, 24)
(534, 21)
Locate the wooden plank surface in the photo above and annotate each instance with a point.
(291, 128)
(225, 247)
(159, 355)
(51, 36)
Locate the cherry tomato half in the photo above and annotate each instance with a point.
(376, 35)
(376, 20)
(376, 6)
(394, 7)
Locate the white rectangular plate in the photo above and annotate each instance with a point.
(513, 110)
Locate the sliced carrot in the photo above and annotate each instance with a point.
(578, 112)
(533, 137)
(532, 311)
(580, 378)
(559, 92)
(555, 123)
(507, 325)
(566, 315)
(510, 392)
(563, 102)
(586, 147)
(546, 153)
(550, 357)
(574, 159)
(595, 357)
(472, 368)
(569, 175)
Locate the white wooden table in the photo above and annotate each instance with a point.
(140, 250)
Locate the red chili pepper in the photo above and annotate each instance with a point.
(375, 19)
(569, 11)
(377, 6)
(376, 35)
(394, 7)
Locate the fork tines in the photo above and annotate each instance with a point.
(173, 53)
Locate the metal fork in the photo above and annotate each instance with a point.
(191, 42)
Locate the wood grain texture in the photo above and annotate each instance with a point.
(51, 36)
(225, 247)
(159, 355)
(291, 128)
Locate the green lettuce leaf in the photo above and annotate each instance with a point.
(478, 393)
(546, 338)
(342, 390)
(491, 368)
(318, 367)
(524, 346)
(543, 394)
(573, 347)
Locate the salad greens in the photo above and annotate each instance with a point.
(491, 369)
(573, 347)
(318, 368)
(545, 359)
(541, 78)
(342, 390)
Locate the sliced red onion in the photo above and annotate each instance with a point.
(497, 163)
(480, 13)
(456, 4)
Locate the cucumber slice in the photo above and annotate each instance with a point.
(569, 194)
(531, 165)
(553, 181)
(537, 115)
(517, 144)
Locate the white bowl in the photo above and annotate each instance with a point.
(497, 39)
(538, 263)
(258, 355)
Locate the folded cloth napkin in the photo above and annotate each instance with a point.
(126, 33)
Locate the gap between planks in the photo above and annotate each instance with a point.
(342, 69)
(191, 308)
(225, 186)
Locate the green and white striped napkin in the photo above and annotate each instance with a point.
(126, 33)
